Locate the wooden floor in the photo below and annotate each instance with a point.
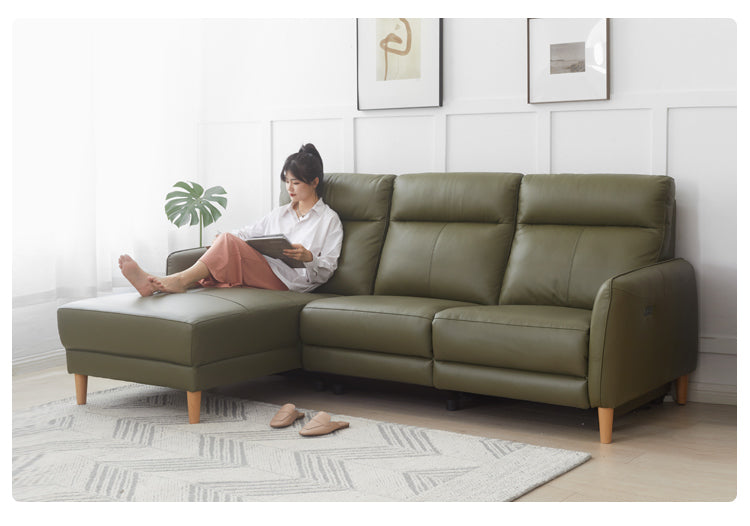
(659, 453)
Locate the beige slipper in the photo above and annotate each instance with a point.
(286, 416)
(321, 425)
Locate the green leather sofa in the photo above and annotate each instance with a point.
(555, 288)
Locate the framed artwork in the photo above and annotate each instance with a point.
(567, 59)
(399, 63)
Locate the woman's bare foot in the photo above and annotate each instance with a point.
(181, 281)
(136, 275)
(172, 283)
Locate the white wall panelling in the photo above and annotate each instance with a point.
(603, 141)
(505, 141)
(395, 144)
(708, 209)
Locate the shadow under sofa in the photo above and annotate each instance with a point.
(554, 288)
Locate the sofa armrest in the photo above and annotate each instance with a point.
(644, 332)
(183, 259)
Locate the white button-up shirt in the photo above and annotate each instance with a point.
(319, 231)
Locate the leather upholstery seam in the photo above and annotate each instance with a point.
(665, 226)
(374, 281)
(386, 227)
(139, 358)
(632, 294)
(374, 312)
(158, 318)
(516, 325)
(432, 258)
(349, 350)
(583, 225)
(572, 259)
(463, 222)
(248, 309)
(230, 301)
(142, 316)
(515, 224)
(443, 362)
(242, 356)
(191, 365)
(604, 345)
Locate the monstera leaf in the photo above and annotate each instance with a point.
(191, 204)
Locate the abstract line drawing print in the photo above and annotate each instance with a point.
(398, 51)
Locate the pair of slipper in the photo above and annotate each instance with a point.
(320, 424)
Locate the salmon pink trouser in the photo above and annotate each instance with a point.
(234, 263)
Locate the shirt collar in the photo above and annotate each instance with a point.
(317, 208)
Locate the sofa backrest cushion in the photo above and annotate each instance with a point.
(362, 202)
(449, 236)
(575, 231)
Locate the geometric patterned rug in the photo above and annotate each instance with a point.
(133, 443)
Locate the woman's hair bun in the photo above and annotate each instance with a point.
(310, 149)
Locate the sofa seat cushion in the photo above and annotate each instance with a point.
(387, 324)
(199, 327)
(524, 337)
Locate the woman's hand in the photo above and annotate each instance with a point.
(299, 253)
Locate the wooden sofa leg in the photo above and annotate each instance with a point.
(682, 389)
(82, 382)
(606, 419)
(194, 406)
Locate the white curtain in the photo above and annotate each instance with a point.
(105, 122)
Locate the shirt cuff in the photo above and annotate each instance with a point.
(310, 265)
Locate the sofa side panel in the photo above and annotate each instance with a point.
(644, 332)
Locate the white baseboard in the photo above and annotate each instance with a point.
(712, 393)
(705, 393)
(39, 362)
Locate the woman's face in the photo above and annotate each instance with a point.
(299, 190)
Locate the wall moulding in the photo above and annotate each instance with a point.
(708, 344)
(619, 101)
(669, 98)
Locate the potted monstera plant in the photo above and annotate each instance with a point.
(190, 203)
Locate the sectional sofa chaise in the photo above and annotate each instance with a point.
(554, 288)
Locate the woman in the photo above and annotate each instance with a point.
(313, 228)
